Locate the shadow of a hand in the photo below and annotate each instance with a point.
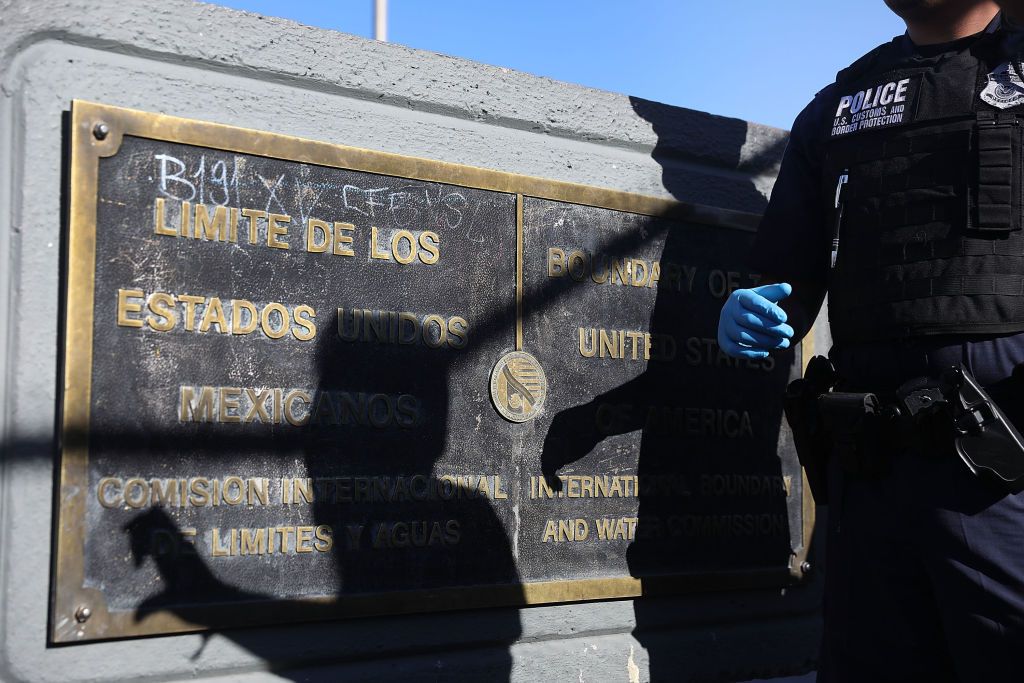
(572, 435)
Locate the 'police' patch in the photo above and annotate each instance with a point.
(886, 104)
(1004, 88)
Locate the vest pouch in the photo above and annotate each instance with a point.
(996, 204)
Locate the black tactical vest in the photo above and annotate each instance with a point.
(923, 166)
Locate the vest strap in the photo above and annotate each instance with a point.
(966, 285)
(910, 252)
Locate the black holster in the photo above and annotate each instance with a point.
(811, 436)
(984, 437)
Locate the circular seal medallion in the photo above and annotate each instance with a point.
(518, 386)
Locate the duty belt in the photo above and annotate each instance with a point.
(932, 414)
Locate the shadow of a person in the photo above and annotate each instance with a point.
(713, 499)
(389, 493)
(707, 159)
(404, 471)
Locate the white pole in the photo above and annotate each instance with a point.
(380, 20)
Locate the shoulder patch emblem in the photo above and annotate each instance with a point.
(1004, 88)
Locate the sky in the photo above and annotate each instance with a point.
(758, 60)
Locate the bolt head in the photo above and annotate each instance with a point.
(82, 614)
(805, 567)
(100, 131)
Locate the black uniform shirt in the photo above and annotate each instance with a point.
(794, 242)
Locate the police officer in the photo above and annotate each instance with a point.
(900, 194)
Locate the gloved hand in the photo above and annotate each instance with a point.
(751, 324)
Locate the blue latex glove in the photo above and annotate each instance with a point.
(752, 324)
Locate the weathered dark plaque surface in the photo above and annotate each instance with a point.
(334, 382)
(623, 312)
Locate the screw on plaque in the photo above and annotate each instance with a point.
(82, 614)
(100, 131)
(805, 567)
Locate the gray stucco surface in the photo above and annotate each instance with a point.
(210, 63)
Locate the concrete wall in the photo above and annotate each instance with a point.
(210, 63)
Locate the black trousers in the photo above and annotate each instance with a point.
(924, 576)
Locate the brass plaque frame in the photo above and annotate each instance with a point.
(79, 613)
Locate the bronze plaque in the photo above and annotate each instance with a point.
(333, 382)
